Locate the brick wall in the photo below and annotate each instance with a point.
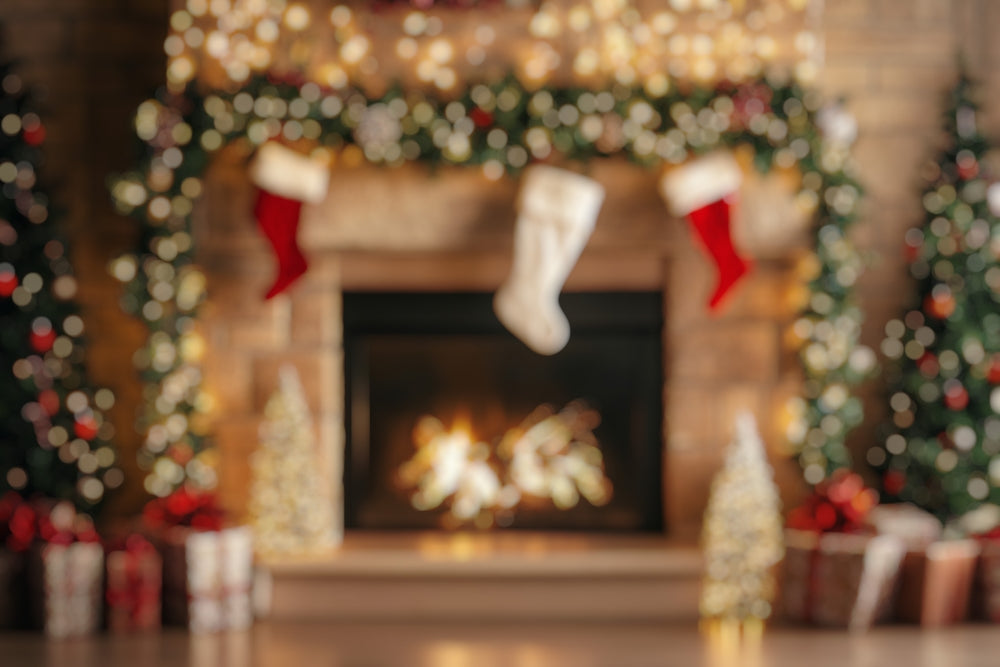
(96, 59)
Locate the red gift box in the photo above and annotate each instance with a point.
(988, 580)
(133, 587)
(936, 583)
(839, 579)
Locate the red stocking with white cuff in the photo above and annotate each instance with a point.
(286, 179)
(704, 191)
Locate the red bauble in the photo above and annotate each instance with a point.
(42, 342)
(826, 516)
(993, 372)
(34, 135)
(940, 307)
(928, 365)
(181, 503)
(49, 400)
(8, 283)
(481, 118)
(956, 398)
(85, 427)
(968, 170)
(893, 481)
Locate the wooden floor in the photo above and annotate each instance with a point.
(425, 645)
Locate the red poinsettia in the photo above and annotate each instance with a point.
(18, 522)
(839, 504)
(22, 522)
(184, 507)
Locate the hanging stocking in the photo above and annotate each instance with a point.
(702, 190)
(557, 210)
(286, 180)
(771, 220)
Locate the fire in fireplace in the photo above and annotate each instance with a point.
(453, 423)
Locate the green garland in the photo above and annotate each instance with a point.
(501, 128)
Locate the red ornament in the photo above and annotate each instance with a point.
(967, 171)
(181, 502)
(22, 528)
(85, 427)
(481, 118)
(34, 135)
(993, 373)
(49, 400)
(42, 342)
(8, 283)
(826, 516)
(750, 101)
(928, 365)
(940, 306)
(893, 481)
(839, 504)
(181, 454)
(956, 397)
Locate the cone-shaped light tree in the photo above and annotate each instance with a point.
(742, 535)
(290, 509)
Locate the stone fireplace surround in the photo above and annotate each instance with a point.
(451, 230)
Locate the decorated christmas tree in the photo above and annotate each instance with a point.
(943, 450)
(54, 440)
(742, 533)
(290, 510)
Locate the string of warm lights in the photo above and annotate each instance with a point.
(497, 125)
(587, 41)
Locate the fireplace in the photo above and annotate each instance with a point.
(454, 423)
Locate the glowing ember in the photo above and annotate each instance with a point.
(550, 459)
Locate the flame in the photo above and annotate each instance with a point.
(549, 459)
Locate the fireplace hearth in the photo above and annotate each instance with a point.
(453, 423)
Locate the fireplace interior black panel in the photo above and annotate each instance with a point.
(445, 354)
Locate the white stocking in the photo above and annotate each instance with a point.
(557, 210)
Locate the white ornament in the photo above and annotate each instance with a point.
(995, 399)
(557, 213)
(378, 129)
(837, 125)
(993, 199)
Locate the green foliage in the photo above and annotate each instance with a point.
(54, 440)
(499, 127)
(942, 449)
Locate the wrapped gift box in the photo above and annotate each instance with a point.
(796, 574)
(64, 587)
(988, 581)
(839, 579)
(207, 577)
(936, 583)
(917, 528)
(134, 585)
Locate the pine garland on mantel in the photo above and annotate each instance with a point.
(500, 128)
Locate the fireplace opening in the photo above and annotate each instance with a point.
(453, 423)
